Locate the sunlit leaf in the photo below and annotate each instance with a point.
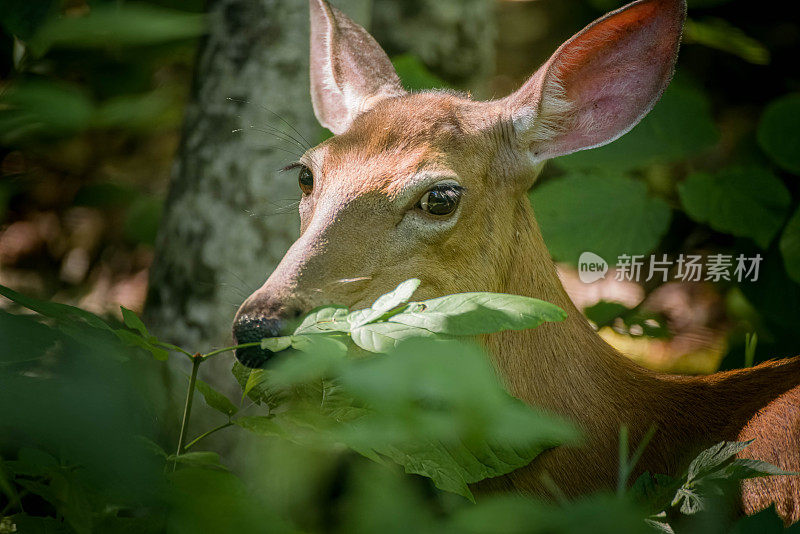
(385, 303)
(470, 314)
(383, 337)
(325, 319)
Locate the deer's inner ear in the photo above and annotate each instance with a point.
(600, 83)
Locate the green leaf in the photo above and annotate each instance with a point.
(215, 399)
(324, 319)
(255, 385)
(255, 378)
(261, 425)
(203, 459)
(453, 467)
(719, 34)
(132, 321)
(744, 468)
(790, 246)
(469, 314)
(680, 126)
(135, 340)
(438, 409)
(54, 310)
(385, 303)
(415, 75)
(778, 134)
(276, 344)
(34, 110)
(745, 202)
(766, 521)
(306, 367)
(116, 25)
(714, 458)
(142, 220)
(383, 337)
(607, 215)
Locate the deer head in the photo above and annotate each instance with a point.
(433, 185)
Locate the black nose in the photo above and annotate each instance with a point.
(249, 329)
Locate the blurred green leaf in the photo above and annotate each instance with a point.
(678, 127)
(779, 134)
(415, 75)
(138, 112)
(35, 110)
(766, 521)
(790, 246)
(438, 409)
(746, 202)
(106, 195)
(54, 310)
(255, 385)
(515, 514)
(136, 340)
(118, 25)
(607, 215)
(22, 17)
(719, 34)
(203, 459)
(142, 220)
(215, 399)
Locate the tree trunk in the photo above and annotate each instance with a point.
(230, 215)
(453, 38)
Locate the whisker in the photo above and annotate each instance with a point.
(265, 108)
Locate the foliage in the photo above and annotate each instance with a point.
(712, 169)
(433, 406)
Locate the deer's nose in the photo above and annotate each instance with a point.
(252, 329)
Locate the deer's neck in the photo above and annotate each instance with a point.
(564, 365)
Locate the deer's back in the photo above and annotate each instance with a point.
(775, 430)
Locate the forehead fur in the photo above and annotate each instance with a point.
(396, 139)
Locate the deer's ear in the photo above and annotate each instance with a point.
(600, 83)
(350, 72)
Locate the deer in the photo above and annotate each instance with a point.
(433, 185)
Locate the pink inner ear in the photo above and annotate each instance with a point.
(612, 74)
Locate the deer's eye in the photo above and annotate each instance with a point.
(306, 180)
(442, 199)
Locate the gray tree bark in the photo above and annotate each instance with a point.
(229, 215)
(455, 39)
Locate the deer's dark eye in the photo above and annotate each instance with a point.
(442, 199)
(306, 180)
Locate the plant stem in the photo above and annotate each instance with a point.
(206, 434)
(187, 409)
(226, 349)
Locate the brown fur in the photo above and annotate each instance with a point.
(361, 235)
